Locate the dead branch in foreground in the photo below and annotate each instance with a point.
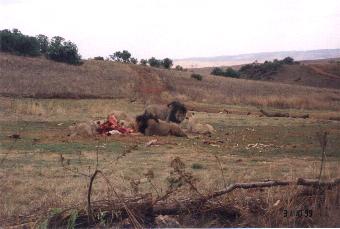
(147, 210)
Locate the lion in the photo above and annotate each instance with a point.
(150, 125)
(193, 126)
(85, 129)
(173, 112)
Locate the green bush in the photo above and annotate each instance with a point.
(143, 62)
(266, 69)
(229, 72)
(123, 56)
(288, 60)
(17, 43)
(167, 63)
(153, 62)
(98, 58)
(43, 43)
(197, 166)
(63, 51)
(197, 76)
(133, 60)
(179, 68)
(217, 71)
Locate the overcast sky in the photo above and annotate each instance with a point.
(179, 28)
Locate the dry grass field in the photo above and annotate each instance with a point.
(323, 73)
(35, 181)
(45, 174)
(40, 78)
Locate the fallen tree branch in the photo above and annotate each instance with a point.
(273, 183)
(263, 184)
(276, 114)
(286, 115)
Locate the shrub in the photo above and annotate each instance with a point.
(197, 76)
(98, 58)
(43, 43)
(133, 60)
(217, 72)
(197, 166)
(153, 62)
(265, 70)
(143, 62)
(179, 68)
(167, 63)
(288, 60)
(123, 56)
(15, 42)
(229, 72)
(63, 51)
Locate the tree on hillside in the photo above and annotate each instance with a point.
(123, 56)
(143, 62)
(229, 72)
(179, 68)
(43, 43)
(153, 62)
(217, 71)
(98, 58)
(167, 63)
(63, 51)
(16, 42)
(133, 60)
(288, 60)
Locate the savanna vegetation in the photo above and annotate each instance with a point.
(246, 173)
(57, 49)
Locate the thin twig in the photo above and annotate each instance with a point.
(323, 143)
(221, 169)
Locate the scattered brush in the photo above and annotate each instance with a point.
(246, 208)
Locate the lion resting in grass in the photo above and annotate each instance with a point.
(85, 129)
(193, 126)
(173, 112)
(150, 125)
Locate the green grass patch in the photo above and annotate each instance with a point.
(197, 166)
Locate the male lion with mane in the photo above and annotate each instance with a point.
(149, 125)
(173, 112)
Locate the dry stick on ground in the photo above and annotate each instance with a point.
(266, 184)
(323, 143)
(89, 210)
(221, 169)
(97, 153)
(276, 114)
(188, 204)
(185, 205)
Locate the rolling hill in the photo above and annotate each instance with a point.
(199, 62)
(323, 73)
(42, 78)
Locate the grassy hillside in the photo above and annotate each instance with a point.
(315, 73)
(41, 78)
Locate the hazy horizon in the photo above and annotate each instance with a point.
(179, 29)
